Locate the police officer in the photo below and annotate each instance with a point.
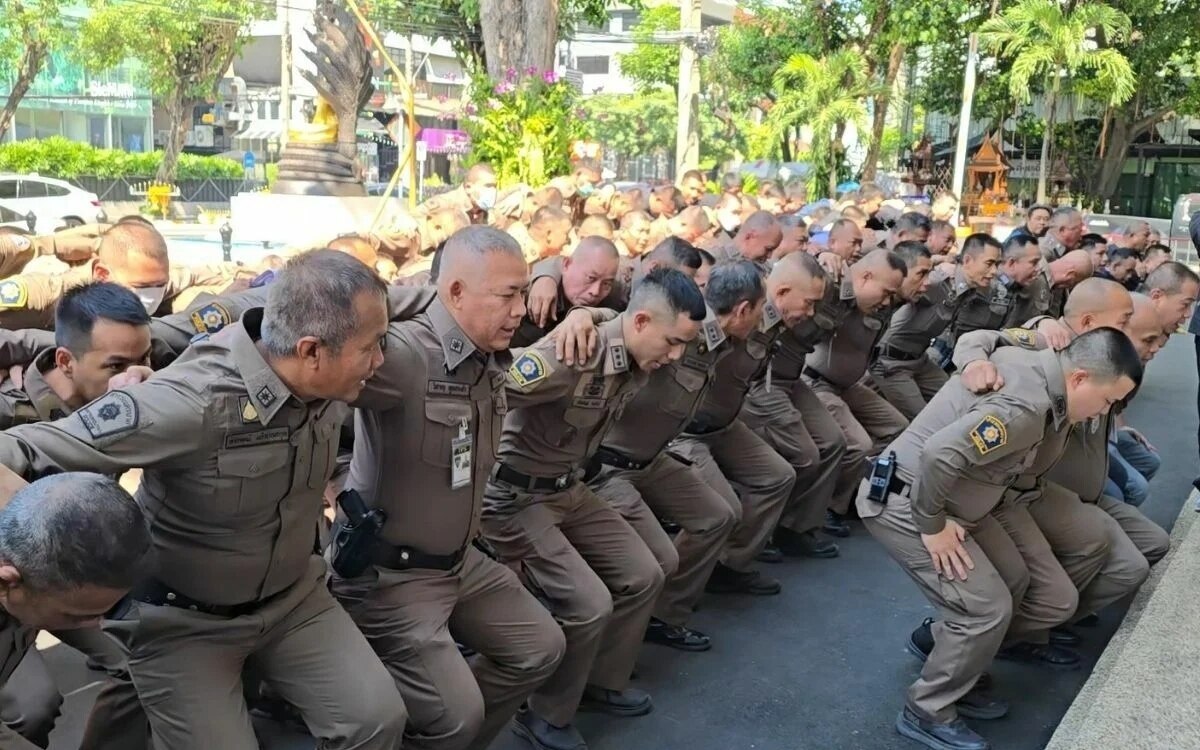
(936, 513)
(1020, 260)
(849, 328)
(476, 196)
(427, 431)
(903, 372)
(132, 254)
(575, 550)
(238, 439)
(66, 247)
(102, 329)
(1063, 234)
(587, 278)
(1046, 293)
(643, 479)
(1173, 288)
(74, 585)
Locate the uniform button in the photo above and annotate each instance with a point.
(170, 597)
(404, 556)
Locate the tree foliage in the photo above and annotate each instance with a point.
(29, 31)
(652, 65)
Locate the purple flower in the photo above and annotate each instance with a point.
(581, 113)
(510, 74)
(531, 71)
(441, 98)
(550, 76)
(504, 87)
(471, 110)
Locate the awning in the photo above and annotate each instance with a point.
(261, 130)
(444, 70)
(445, 141)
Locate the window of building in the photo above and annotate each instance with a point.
(626, 20)
(595, 66)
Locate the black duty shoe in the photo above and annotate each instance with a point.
(725, 580)
(954, 735)
(627, 702)
(808, 544)
(1046, 655)
(920, 643)
(836, 525)
(979, 703)
(770, 555)
(543, 735)
(1064, 636)
(1090, 621)
(670, 527)
(676, 636)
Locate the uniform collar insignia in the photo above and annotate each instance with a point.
(45, 401)
(711, 330)
(267, 392)
(1056, 382)
(455, 345)
(846, 289)
(771, 317)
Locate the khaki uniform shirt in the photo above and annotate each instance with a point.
(832, 313)
(235, 465)
(658, 413)
(427, 432)
(915, 324)
(617, 299)
(984, 309)
(457, 199)
(1037, 298)
(28, 300)
(963, 451)
(746, 362)
(36, 401)
(15, 641)
(842, 358)
(557, 415)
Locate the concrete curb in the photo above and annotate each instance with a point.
(1142, 693)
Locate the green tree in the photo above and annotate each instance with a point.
(184, 46)
(1051, 45)
(827, 95)
(633, 125)
(29, 31)
(651, 65)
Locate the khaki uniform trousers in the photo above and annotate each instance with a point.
(869, 424)
(30, 702)
(595, 573)
(797, 425)
(908, 385)
(187, 668)
(1148, 537)
(1102, 561)
(117, 721)
(973, 615)
(751, 477)
(412, 619)
(1051, 597)
(668, 488)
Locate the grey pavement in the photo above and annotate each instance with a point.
(821, 666)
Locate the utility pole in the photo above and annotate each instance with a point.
(687, 136)
(285, 75)
(411, 105)
(964, 117)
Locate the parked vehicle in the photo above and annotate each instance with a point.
(10, 218)
(54, 203)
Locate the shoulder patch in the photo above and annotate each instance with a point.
(13, 294)
(771, 316)
(111, 414)
(989, 435)
(211, 318)
(1023, 336)
(529, 368)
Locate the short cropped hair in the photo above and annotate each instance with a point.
(1170, 277)
(75, 529)
(314, 296)
(910, 251)
(675, 252)
(1016, 244)
(734, 282)
(81, 307)
(1105, 353)
(669, 288)
(976, 243)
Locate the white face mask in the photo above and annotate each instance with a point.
(487, 199)
(151, 296)
(729, 223)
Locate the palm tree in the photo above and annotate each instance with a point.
(1050, 44)
(827, 94)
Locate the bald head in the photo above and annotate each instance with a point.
(356, 247)
(1144, 328)
(131, 237)
(758, 236)
(134, 255)
(596, 226)
(480, 172)
(1097, 302)
(1071, 269)
(796, 285)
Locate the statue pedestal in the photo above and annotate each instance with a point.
(299, 220)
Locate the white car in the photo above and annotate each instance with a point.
(10, 218)
(55, 203)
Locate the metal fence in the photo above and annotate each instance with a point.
(190, 191)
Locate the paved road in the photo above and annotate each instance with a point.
(823, 665)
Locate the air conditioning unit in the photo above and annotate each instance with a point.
(203, 136)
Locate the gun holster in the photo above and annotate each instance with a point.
(354, 540)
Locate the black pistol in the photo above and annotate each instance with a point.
(882, 472)
(354, 540)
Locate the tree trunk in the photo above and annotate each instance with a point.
(178, 110)
(785, 146)
(835, 158)
(882, 101)
(1121, 133)
(518, 34)
(30, 64)
(1047, 138)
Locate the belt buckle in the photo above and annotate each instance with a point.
(562, 482)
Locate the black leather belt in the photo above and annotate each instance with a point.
(509, 475)
(153, 591)
(702, 428)
(400, 557)
(810, 372)
(610, 457)
(892, 352)
(898, 486)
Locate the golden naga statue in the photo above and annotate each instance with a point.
(322, 129)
